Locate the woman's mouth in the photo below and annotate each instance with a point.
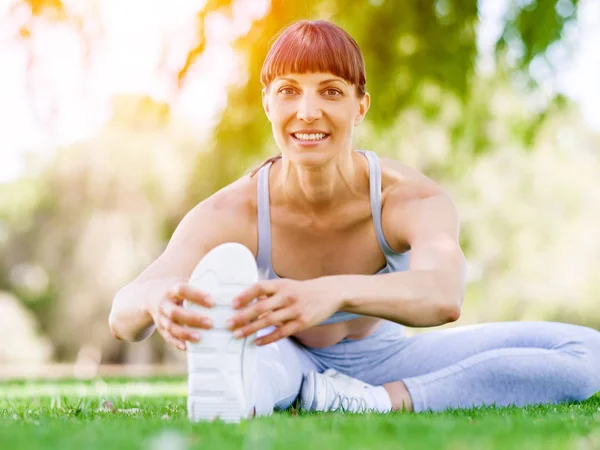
(309, 139)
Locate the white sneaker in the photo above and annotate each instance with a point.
(221, 368)
(334, 391)
(355, 381)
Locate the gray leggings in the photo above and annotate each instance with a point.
(502, 363)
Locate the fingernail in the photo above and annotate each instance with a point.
(229, 324)
(235, 303)
(210, 301)
(207, 322)
(237, 334)
(181, 346)
(196, 336)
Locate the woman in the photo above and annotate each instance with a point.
(353, 247)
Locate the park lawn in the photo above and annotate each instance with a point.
(151, 414)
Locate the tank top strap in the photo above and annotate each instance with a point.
(263, 256)
(375, 196)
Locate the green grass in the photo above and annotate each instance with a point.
(151, 414)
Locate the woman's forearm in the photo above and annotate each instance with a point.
(130, 318)
(418, 298)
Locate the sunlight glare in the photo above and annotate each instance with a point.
(142, 47)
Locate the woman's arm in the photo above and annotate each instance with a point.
(430, 293)
(130, 318)
(135, 307)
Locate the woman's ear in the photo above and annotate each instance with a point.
(363, 106)
(265, 101)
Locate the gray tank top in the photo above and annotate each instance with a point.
(395, 262)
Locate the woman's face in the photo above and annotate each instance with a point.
(313, 115)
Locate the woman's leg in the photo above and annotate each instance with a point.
(281, 366)
(507, 363)
(501, 363)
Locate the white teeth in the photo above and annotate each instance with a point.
(309, 137)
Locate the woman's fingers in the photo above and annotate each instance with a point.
(177, 331)
(185, 291)
(276, 318)
(177, 324)
(255, 310)
(184, 316)
(288, 329)
(262, 288)
(178, 344)
(162, 326)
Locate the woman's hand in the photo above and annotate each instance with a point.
(173, 322)
(290, 305)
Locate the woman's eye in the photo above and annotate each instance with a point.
(286, 91)
(333, 92)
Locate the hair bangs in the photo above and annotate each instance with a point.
(315, 46)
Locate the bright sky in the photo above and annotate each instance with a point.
(126, 58)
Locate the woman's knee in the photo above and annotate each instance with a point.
(575, 339)
(585, 343)
(585, 348)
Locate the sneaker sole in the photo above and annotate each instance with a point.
(308, 398)
(215, 369)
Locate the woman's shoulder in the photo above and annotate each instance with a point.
(406, 191)
(235, 201)
(403, 182)
(231, 210)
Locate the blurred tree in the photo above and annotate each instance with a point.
(92, 219)
(414, 50)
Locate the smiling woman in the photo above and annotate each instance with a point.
(353, 247)
(328, 73)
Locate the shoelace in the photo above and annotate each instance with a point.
(347, 403)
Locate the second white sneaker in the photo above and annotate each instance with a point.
(221, 368)
(334, 391)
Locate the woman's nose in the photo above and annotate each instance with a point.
(308, 109)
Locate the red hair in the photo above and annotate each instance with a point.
(314, 46)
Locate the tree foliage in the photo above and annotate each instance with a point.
(415, 51)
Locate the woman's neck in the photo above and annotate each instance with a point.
(316, 189)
